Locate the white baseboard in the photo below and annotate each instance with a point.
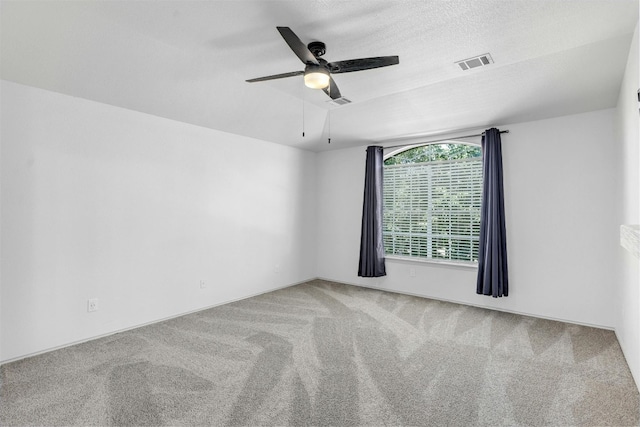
(287, 286)
(622, 344)
(573, 322)
(25, 356)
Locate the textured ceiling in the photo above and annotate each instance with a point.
(188, 61)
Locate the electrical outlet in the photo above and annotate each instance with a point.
(202, 284)
(92, 305)
(277, 268)
(412, 272)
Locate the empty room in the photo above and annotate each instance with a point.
(323, 212)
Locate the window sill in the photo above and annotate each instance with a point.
(443, 263)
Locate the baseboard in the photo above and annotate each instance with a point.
(378, 288)
(622, 344)
(26, 356)
(3, 362)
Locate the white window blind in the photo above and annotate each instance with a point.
(432, 209)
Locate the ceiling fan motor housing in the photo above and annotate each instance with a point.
(317, 48)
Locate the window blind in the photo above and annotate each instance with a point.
(432, 209)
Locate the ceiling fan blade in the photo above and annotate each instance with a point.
(276, 76)
(296, 45)
(362, 64)
(332, 90)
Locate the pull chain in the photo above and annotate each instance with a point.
(329, 131)
(303, 110)
(329, 115)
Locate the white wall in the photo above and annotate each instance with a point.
(0, 234)
(562, 230)
(627, 124)
(103, 202)
(132, 209)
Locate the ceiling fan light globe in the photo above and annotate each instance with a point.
(316, 79)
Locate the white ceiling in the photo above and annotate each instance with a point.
(188, 61)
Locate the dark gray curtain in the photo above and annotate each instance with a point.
(493, 278)
(371, 246)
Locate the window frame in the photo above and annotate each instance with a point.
(449, 263)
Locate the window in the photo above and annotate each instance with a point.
(432, 197)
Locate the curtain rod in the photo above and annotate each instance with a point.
(440, 140)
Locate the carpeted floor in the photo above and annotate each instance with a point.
(330, 354)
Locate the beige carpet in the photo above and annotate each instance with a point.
(329, 354)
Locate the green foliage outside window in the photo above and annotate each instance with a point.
(434, 152)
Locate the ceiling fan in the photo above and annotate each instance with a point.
(317, 71)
